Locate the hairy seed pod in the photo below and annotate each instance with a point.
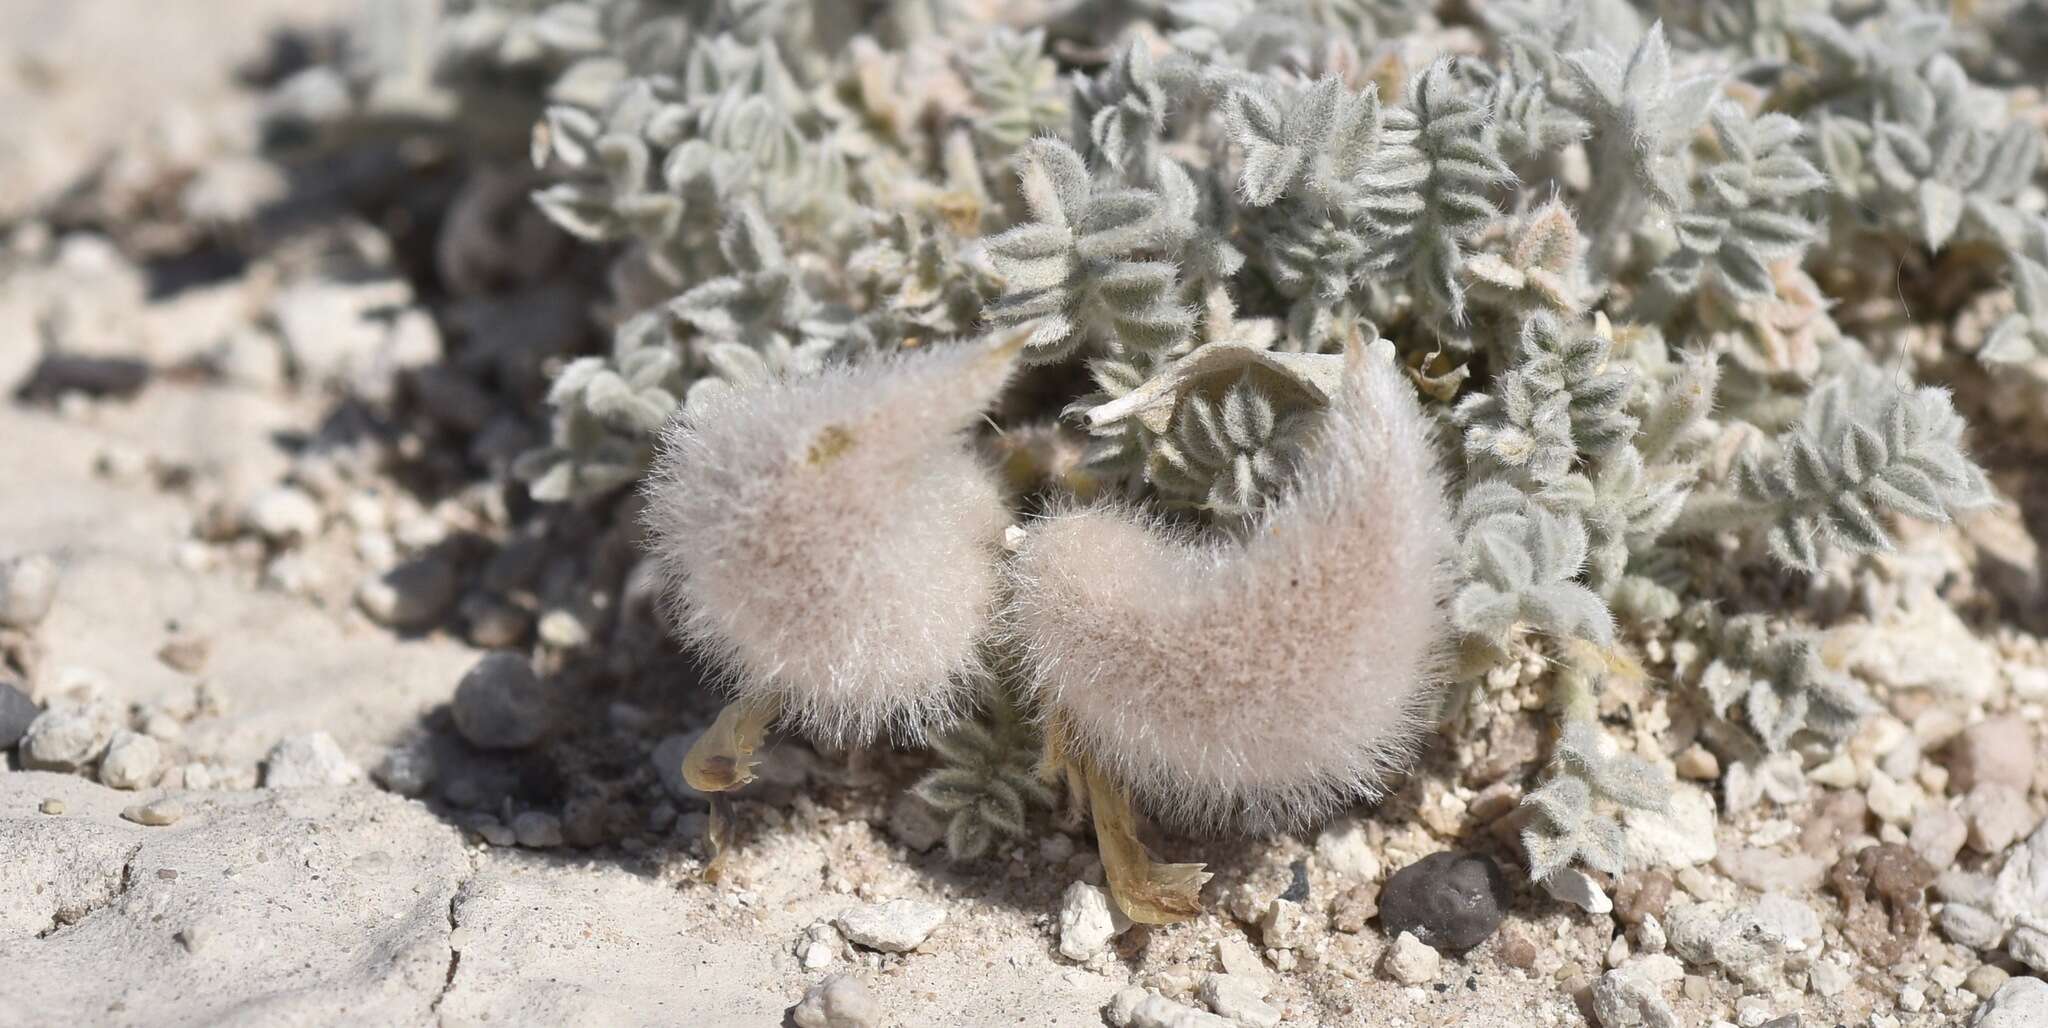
(831, 542)
(1256, 683)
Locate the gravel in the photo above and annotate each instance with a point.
(1411, 961)
(2019, 1003)
(28, 587)
(1576, 887)
(1284, 925)
(1136, 1008)
(2000, 749)
(1088, 921)
(63, 739)
(166, 811)
(1998, 815)
(1242, 1000)
(306, 761)
(1970, 926)
(285, 515)
(1450, 901)
(1627, 997)
(1345, 850)
(133, 761)
(1938, 834)
(2021, 889)
(840, 1001)
(897, 926)
(1680, 835)
(502, 705)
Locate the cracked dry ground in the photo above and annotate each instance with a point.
(309, 906)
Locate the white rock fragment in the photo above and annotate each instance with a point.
(1573, 886)
(310, 760)
(1240, 1000)
(1998, 814)
(1681, 835)
(1938, 834)
(1627, 998)
(2029, 684)
(1794, 924)
(1124, 1005)
(1999, 749)
(1088, 921)
(1283, 925)
(284, 515)
(28, 588)
(63, 739)
(1650, 935)
(2021, 889)
(1734, 938)
(1893, 801)
(1410, 961)
(1344, 849)
(1912, 999)
(2029, 946)
(1827, 979)
(166, 811)
(1970, 926)
(1925, 646)
(2019, 1003)
(133, 761)
(838, 1002)
(897, 926)
(1752, 1011)
(1238, 958)
(1156, 1011)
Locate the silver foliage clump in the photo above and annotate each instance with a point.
(1776, 682)
(1642, 280)
(1572, 816)
(986, 783)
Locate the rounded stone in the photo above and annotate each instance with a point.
(17, 712)
(501, 704)
(63, 740)
(410, 596)
(1449, 901)
(1998, 750)
(28, 586)
(133, 761)
(285, 515)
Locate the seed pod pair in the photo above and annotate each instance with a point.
(835, 545)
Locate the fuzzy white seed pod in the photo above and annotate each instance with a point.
(831, 543)
(1254, 685)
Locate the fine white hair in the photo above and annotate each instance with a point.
(1254, 684)
(830, 542)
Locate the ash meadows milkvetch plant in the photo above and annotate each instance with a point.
(1359, 365)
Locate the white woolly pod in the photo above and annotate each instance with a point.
(1253, 684)
(832, 542)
